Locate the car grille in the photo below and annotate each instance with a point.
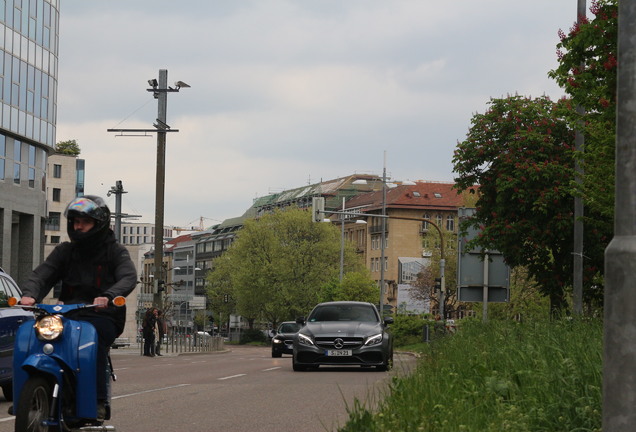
(347, 342)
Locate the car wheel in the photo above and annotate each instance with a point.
(387, 365)
(297, 367)
(7, 391)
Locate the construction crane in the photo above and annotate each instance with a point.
(198, 227)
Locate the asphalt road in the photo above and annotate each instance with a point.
(244, 389)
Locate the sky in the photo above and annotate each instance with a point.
(286, 93)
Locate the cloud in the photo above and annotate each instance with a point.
(288, 92)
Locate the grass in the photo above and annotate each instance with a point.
(498, 376)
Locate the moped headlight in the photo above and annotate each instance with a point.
(49, 327)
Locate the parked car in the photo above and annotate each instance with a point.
(283, 340)
(10, 320)
(343, 333)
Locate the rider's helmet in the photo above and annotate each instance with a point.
(90, 206)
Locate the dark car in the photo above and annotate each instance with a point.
(343, 333)
(10, 320)
(283, 340)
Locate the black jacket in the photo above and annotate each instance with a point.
(101, 269)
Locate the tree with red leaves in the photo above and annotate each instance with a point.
(520, 153)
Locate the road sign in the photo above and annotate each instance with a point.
(480, 273)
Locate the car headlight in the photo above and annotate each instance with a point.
(374, 340)
(277, 341)
(304, 340)
(49, 327)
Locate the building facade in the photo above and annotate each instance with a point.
(65, 181)
(413, 211)
(28, 110)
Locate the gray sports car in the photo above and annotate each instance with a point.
(343, 333)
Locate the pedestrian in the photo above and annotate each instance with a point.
(93, 269)
(161, 331)
(148, 327)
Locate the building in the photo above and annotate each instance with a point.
(65, 181)
(28, 105)
(137, 233)
(407, 249)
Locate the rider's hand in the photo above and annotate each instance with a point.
(27, 301)
(100, 302)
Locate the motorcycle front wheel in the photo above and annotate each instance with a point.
(34, 405)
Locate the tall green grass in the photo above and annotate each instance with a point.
(498, 376)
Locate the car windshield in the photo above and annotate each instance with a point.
(288, 328)
(343, 313)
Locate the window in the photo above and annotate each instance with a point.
(57, 193)
(53, 222)
(55, 239)
(57, 171)
(425, 224)
(450, 223)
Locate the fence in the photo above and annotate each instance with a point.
(180, 343)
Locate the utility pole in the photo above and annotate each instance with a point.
(619, 353)
(118, 190)
(579, 142)
(383, 238)
(160, 90)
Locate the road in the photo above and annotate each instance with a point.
(242, 390)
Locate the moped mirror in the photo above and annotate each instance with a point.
(119, 301)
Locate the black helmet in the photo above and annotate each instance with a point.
(90, 206)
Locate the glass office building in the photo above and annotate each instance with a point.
(29, 39)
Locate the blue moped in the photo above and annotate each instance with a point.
(54, 363)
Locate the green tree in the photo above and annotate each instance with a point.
(278, 264)
(355, 286)
(520, 153)
(587, 72)
(69, 147)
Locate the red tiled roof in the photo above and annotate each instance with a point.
(430, 195)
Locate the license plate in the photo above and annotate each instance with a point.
(339, 353)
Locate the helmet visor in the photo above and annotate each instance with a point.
(83, 206)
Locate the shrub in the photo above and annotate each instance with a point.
(252, 335)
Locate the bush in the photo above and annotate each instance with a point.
(409, 329)
(252, 335)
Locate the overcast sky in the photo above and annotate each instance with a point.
(288, 92)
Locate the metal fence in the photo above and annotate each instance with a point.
(180, 343)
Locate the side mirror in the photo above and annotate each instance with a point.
(388, 320)
(300, 320)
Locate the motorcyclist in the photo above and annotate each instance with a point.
(93, 269)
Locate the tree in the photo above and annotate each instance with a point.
(69, 147)
(355, 286)
(424, 286)
(587, 72)
(278, 264)
(520, 153)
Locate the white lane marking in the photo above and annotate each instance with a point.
(271, 369)
(231, 376)
(150, 391)
(7, 419)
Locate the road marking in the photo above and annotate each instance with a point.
(271, 369)
(150, 391)
(230, 377)
(7, 419)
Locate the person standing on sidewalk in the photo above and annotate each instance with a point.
(148, 327)
(161, 331)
